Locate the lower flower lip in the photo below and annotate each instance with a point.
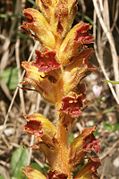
(46, 62)
(28, 17)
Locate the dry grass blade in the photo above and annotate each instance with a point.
(32, 137)
(17, 53)
(110, 38)
(101, 63)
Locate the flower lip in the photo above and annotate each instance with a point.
(72, 105)
(46, 61)
(56, 175)
(84, 28)
(28, 16)
(91, 144)
(83, 36)
(34, 127)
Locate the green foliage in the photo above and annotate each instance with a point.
(111, 127)
(10, 77)
(86, 18)
(78, 168)
(96, 133)
(43, 168)
(1, 177)
(23, 36)
(18, 161)
(112, 82)
(70, 138)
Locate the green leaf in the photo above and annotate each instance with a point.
(18, 161)
(108, 126)
(23, 36)
(78, 168)
(111, 127)
(96, 133)
(1, 177)
(43, 168)
(10, 77)
(86, 18)
(116, 127)
(112, 82)
(70, 138)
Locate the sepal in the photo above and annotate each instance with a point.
(74, 42)
(33, 73)
(38, 26)
(49, 84)
(89, 171)
(83, 144)
(41, 127)
(59, 14)
(33, 174)
(56, 175)
(45, 7)
(77, 70)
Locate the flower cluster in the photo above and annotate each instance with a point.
(57, 74)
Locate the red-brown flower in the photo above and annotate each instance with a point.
(72, 105)
(46, 61)
(56, 175)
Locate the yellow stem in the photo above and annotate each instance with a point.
(61, 162)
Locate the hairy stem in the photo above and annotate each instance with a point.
(61, 163)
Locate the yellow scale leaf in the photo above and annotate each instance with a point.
(39, 25)
(33, 174)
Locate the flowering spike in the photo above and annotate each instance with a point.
(57, 73)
